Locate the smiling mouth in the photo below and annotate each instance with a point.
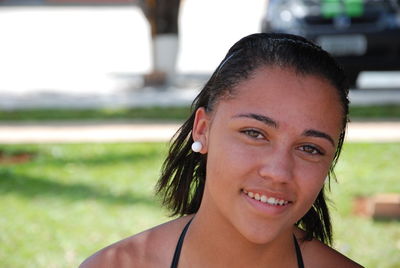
(265, 199)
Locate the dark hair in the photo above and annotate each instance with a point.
(184, 172)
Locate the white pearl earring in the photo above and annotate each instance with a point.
(197, 146)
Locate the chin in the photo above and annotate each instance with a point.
(261, 240)
(262, 236)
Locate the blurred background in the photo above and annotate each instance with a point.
(91, 92)
(101, 48)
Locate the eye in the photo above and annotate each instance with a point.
(310, 149)
(255, 134)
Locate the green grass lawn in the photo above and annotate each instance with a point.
(71, 200)
(146, 113)
(391, 112)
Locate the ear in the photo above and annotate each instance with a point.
(201, 128)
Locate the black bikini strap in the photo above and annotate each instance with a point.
(178, 248)
(298, 253)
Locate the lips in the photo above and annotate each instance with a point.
(271, 200)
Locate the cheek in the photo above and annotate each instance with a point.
(310, 182)
(226, 158)
(228, 164)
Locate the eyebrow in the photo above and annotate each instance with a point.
(272, 123)
(318, 134)
(262, 118)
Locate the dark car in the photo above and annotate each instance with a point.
(363, 35)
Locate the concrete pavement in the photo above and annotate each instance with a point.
(134, 131)
(133, 94)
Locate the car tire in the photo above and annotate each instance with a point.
(352, 77)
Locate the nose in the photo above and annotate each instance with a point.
(277, 166)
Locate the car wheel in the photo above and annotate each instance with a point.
(352, 79)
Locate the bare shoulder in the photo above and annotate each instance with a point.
(317, 254)
(150, 248)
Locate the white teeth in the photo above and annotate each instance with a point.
(271, 201)
(265, 199)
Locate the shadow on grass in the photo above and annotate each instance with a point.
(34, 187)
(109, 157)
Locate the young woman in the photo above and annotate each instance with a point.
(247, 171)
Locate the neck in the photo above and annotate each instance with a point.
(214, 242)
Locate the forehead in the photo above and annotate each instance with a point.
(287, 96)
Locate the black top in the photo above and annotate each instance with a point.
(178, 248)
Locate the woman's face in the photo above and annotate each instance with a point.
(269, 149)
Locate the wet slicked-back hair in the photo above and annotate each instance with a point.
(183, 177)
